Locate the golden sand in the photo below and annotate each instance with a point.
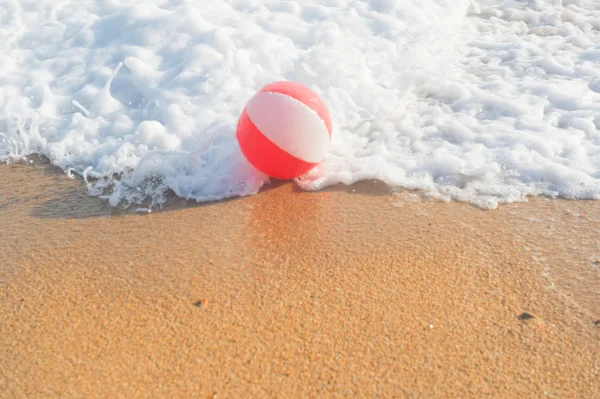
(347, 292)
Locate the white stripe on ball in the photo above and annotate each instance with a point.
(290, 125)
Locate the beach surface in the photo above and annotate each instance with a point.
(351, 291)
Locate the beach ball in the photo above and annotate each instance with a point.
(284, 130)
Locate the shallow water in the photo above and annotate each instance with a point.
(477, 101)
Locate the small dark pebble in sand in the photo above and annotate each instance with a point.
(597, 323)
(525, 316)
(200, 303)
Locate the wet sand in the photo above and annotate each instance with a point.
(348, 292)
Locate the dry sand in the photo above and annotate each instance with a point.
(349, 292)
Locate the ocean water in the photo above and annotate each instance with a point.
(479, 101)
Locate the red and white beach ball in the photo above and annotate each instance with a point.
(284, 130)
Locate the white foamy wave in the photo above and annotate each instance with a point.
(478, 101)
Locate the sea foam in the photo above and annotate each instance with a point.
(478, 101)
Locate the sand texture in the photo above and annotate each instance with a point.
(347, 292)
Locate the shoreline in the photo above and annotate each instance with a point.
(338, 292)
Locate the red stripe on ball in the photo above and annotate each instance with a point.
(266, 156)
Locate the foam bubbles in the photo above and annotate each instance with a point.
(479, 101)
